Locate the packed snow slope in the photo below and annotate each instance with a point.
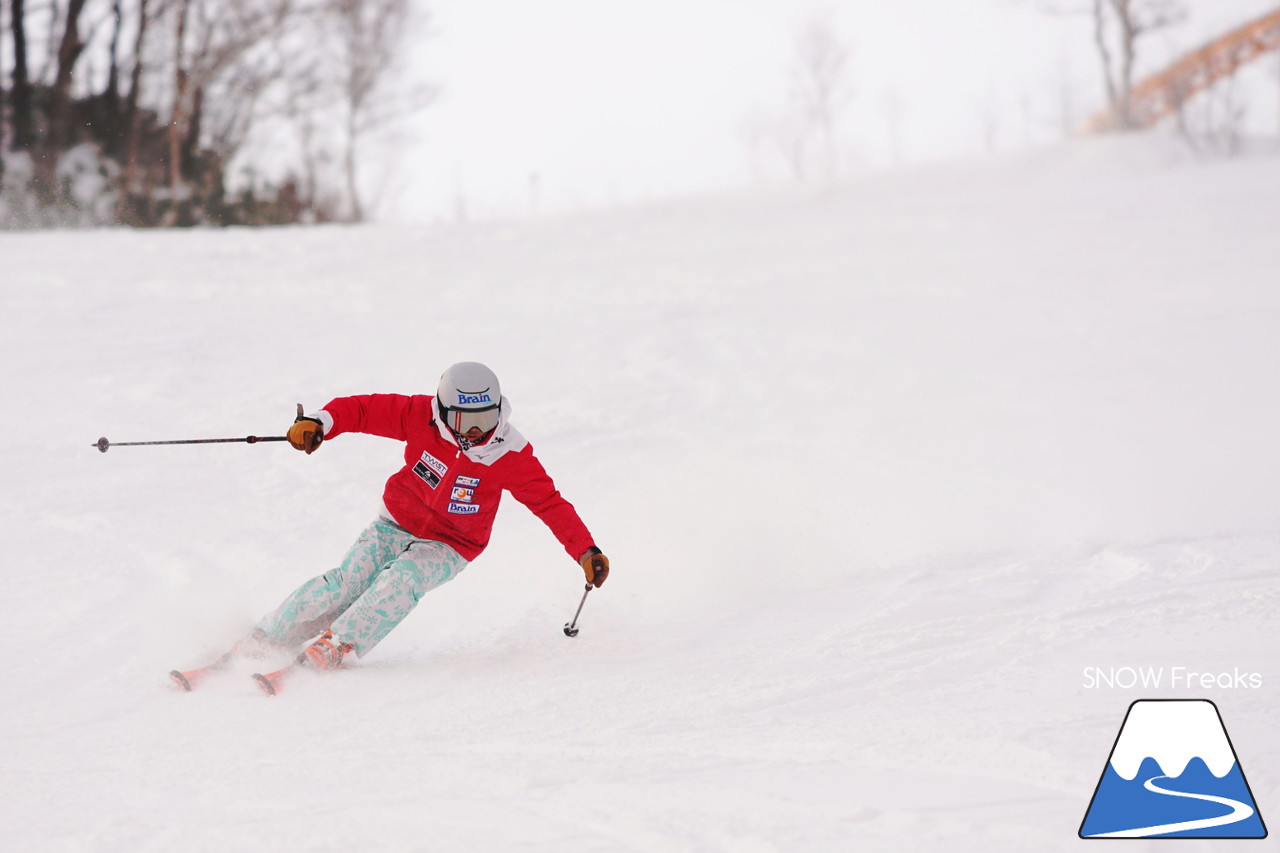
(884, 471)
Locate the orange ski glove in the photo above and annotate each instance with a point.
(306, 434)
(595, 565)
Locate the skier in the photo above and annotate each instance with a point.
(461, 452)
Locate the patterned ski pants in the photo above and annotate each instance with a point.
(380, 580)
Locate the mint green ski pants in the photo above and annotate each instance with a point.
(379, 582)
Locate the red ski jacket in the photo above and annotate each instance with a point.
(445, 493)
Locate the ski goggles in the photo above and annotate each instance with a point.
(462, 421)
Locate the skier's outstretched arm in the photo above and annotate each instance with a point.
(534, 488)
(385, 415)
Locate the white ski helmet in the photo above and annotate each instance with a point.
(468, 398)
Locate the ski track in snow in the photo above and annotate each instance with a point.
(881, 469)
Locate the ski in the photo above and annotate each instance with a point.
(321, 654)
(189, 679)
(252, 645)
(272, 682)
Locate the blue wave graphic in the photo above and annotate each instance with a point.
(1121, 805)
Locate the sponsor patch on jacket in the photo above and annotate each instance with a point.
(430, 469)
(463, 509)
(468, 481)
(462, 494)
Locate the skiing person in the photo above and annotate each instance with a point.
(461, 452)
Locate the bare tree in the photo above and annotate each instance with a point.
(70, 46)
(237, 61)
(181, 78)
(820, 87)
(175, 94)
(1118, 26)
(369, 34)
(1212, 120)
(4, 103)
(1134, 19)
(130, 121)
(23, 117)
(804, 132)
(113, 73)
(221, 65)
(302, 107)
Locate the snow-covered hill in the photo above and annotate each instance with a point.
(881, 471)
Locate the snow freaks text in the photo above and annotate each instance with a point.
(1170, 677)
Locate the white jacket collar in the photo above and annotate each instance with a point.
(505, 439)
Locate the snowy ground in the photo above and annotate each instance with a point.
(881, 471)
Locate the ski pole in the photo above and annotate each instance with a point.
(104, 445)
(571, 628)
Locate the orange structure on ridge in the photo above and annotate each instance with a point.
(1161, 94)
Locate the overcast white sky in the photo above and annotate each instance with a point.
(600, 102)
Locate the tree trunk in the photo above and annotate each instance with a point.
(131, 116)
(1128, 39)
(23, 118)
(353, 189)
(59, 133)
(4, 106)
(191, 137)
(113, 69)
(69, 50)
(111, 115)
(1104, 53)
(179, 99)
